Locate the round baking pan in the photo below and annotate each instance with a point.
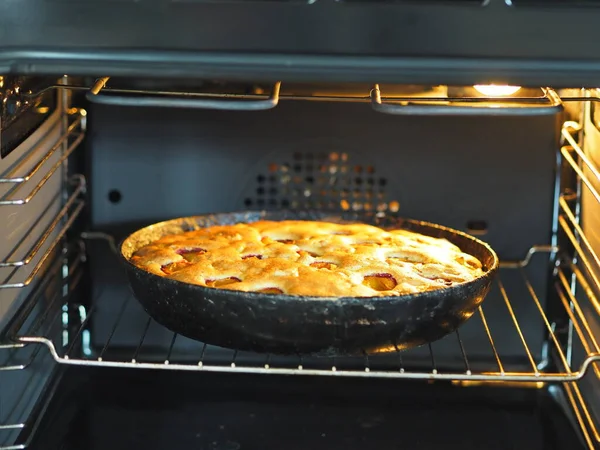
(290, 324)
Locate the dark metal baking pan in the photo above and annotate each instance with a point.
(288, 324)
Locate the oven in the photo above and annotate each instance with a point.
(479, 116)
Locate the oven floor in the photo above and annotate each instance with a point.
(129, 409)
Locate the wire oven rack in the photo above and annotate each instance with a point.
(436, 101)
(211, 359)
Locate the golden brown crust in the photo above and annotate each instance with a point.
(309, 258)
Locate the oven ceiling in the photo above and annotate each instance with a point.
(450, 43)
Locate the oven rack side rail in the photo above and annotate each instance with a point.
(26, 430)
(464, 101)
(581, 276)
(44, 203)
(24, 181)
(39, 253)
(68, 353)
(56, 286)
(61, 150)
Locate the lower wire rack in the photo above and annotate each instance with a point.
(70, 341)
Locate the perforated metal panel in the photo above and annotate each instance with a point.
(321, 181)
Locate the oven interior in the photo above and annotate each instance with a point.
(86, 161)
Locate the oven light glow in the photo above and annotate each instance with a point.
(496, 90)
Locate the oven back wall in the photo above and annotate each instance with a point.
(149, 165)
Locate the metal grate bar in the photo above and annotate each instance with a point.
(489, 336)
(99, 94)
(582, 404)
(581, 254)
(14, 426)
(434, 370)
(17, 410)
(464, 353)
(171, 348)
(487, 376)
(31, 229)
(6, 367)
(71, 280)
(577, 148)
(583, 283)
(581, 235)
(13, 447)
(57, 146)
(549, 102)
(567, 156)
(74, 278)
(16, 323)
(572, 302)
(518, 327)
(22, 201)
(78, 207)
(53, 310)
(48, 312)
(576, 410)
(586, 411)
(31, 254)
(578, 322)
(114, 328)
(82, 326)
(400, 361)
(536, 249)
(551, 332)
(201, 361)
(44, 395)
(139, 347)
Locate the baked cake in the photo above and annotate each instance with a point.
(309, 258)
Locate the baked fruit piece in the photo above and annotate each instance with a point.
(309, 258)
